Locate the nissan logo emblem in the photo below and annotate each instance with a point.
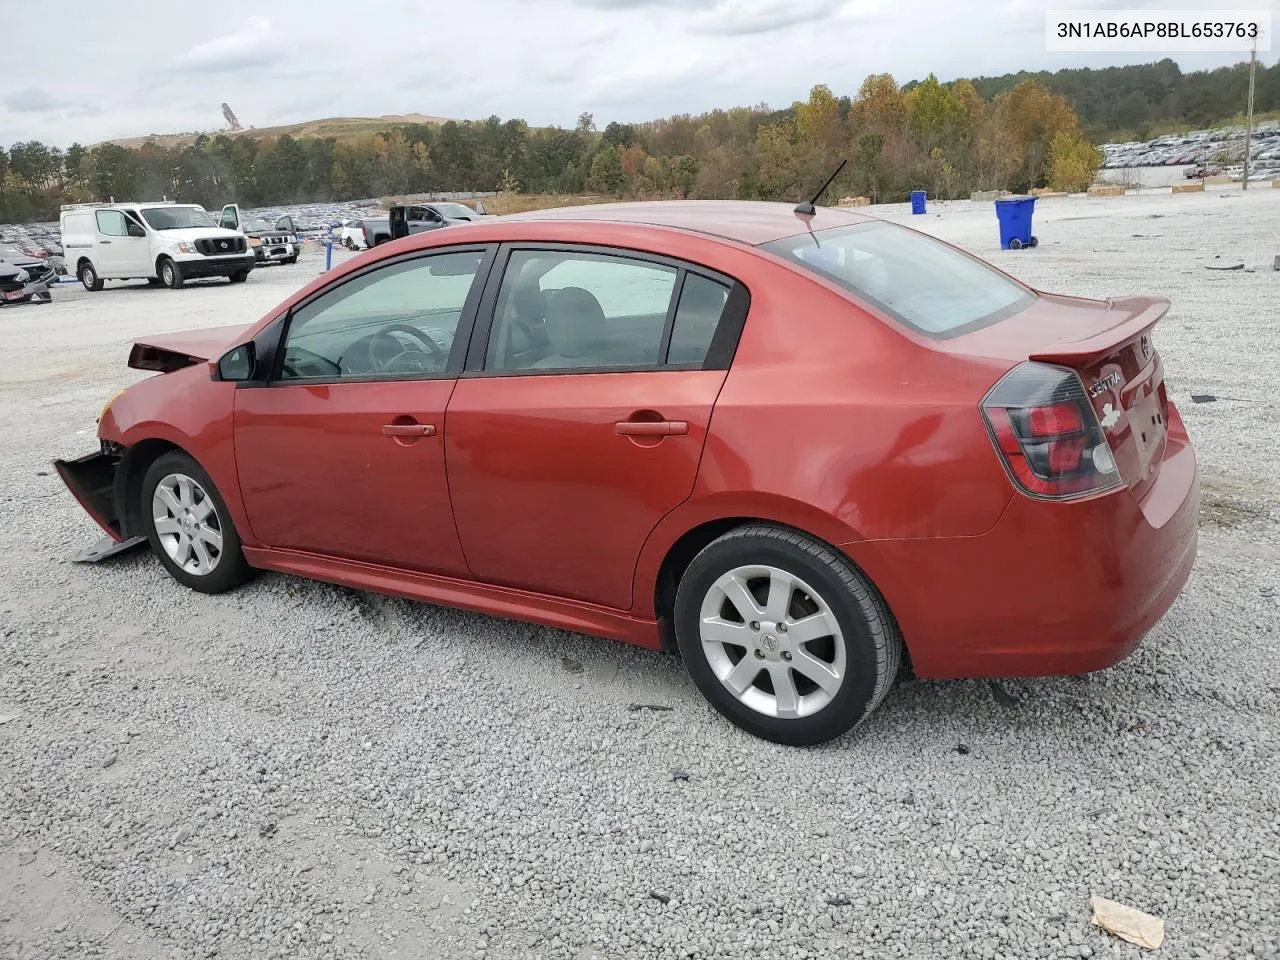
(223, 244)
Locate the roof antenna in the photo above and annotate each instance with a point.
(807, 209)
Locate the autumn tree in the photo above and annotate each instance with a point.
(1073, 161)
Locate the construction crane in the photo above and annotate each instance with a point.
(232, 123)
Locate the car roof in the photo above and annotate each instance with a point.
(747, 221)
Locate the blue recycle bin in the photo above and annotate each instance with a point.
(1014, 215)
(917, 201)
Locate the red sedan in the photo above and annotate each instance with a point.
(807, 450)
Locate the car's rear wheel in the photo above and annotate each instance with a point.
(89, 278)
(784, 636)
(189, 527)
(170, 274)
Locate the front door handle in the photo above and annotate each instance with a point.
(652, 428)
(408, 430)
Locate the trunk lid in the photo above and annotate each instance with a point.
(1109, 344)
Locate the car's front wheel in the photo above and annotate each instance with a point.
(784, 636)
(240, 276)
(170, 274)
(189, 527)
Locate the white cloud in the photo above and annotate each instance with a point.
(254, 45)
(545, 61)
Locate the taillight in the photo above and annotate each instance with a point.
(1047, 433)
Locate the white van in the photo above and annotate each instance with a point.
(166, 242)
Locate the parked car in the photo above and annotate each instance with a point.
(23, 277)
(163, 243)
(17, 284)
(270, 243)
(415, 218)
(351, 234)
(799, 448)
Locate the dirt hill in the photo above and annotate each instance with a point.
(341, 128)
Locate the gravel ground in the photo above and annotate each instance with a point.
(296, 770)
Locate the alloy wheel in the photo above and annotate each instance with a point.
(772, 641)
(187, 524)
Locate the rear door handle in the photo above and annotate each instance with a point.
(408, 430)
(651, 428)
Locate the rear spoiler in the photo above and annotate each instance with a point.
(1140, 314)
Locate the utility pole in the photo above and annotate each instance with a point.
(1248, 128)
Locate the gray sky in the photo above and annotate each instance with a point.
(132, 67)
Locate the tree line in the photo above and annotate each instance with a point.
(1014, 132)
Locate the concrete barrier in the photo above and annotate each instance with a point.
(1216, 179)
(1107, 191)
(988, 194)
(1046, 193)
(1276, 183)
(854, 202)
(1188, 188)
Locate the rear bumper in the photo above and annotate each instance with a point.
(92, 481)
(1054, 589)
(216, 266)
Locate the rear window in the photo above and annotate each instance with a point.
(919, 281)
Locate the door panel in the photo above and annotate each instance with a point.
(550, 494)
(320, 472)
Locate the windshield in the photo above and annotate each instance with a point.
(924, 284)
(257, 223)
(456, 211)
(177, 218)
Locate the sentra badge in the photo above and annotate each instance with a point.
(1102, 385)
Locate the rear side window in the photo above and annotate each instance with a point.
(921, 282)
(698, 315)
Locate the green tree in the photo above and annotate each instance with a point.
(606, 172)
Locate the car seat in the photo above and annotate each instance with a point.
(575, 327)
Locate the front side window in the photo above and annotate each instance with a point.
(112, 223)
(921, 282)
(579, 311)
(395, 322)
(177, 218)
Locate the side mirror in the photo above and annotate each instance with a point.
(237, 364)
(135, 230)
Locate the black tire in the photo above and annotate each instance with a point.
(171, 274)
(1035, 242)
(871, 640)
(89, 278)
(231, 569)
(153, 281)
(381, 240)
(240, 276)
(1015, 244)
(293, 259)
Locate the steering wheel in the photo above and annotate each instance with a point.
(385, 336)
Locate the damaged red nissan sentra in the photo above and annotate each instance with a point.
(808, 449)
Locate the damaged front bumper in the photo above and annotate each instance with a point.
(93, 481)
(37, 291)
